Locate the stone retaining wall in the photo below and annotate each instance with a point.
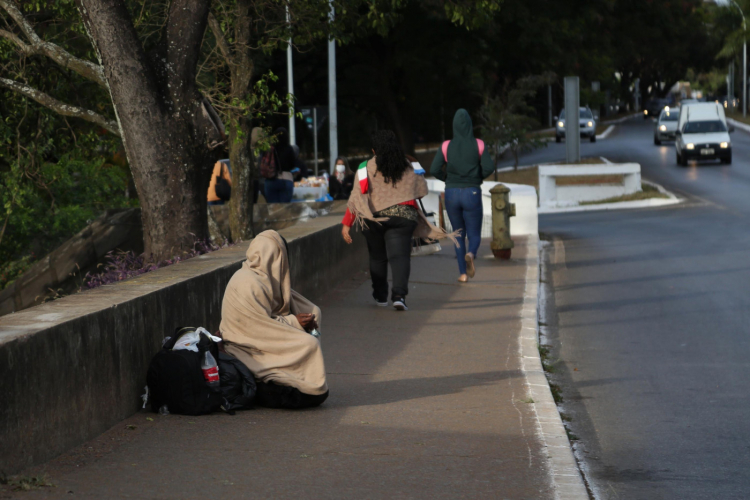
(72, 368)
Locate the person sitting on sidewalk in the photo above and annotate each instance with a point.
(383, 202)
(467, 163)
(266, 325)
(341, 183)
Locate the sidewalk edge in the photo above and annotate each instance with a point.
(563, 469)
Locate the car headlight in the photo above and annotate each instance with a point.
(560, 124)
(691, 146)
(590, 124)
(645, 112)
(663, 128)
(724, 145)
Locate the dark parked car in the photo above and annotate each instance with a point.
(653, 108)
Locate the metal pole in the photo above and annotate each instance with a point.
(333, 126)
(744, 77)
(549, 105)
(290, 83)
(315, 137)
(572, 124)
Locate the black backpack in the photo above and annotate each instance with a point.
(175, 378)
(237, 383)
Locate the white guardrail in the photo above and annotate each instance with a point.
(525, 221)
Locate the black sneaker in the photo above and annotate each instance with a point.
(382, 303)
(399, 304)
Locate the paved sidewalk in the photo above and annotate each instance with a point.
(427, 403)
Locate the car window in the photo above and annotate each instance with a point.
(585, 114)
(667, 116)
(704, 127)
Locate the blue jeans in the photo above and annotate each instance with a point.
(278, 191)
(464, 207)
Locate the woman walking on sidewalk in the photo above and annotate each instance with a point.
(383, 202)
(467, 163)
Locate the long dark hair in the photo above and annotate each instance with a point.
(390, 158)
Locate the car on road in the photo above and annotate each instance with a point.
(666, 126)
(702, 133)
(586, 123)
(654, 107)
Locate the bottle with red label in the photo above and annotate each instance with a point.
(210, 370)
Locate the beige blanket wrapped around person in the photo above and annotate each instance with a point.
(258, 320)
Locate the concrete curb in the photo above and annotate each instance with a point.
(606, 133)
(564, 474)
(742, 126)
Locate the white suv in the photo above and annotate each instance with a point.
(703, 134)
(586, 122)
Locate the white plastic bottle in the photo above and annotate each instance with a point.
(210, 370)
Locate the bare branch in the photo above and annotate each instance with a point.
(86, 69)
(23, 46)
(60, 107)
(221, 40)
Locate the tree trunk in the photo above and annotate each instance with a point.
(240, 153)
(243, 174)
(165, 129)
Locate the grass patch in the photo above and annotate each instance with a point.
(571, 436)
(556, 392)
(589, 180)
(738, 116)
(27, 483)
(528, 401)
(565, 417)
(647, 192)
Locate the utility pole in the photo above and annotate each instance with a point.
(333, 126)
(290, 83)
(549, 105)
(315, 137)
(572, 125)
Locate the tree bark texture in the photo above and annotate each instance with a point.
(164, 128)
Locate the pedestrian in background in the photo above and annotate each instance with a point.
(281, 188)
(341, 182)
(383, 202)
(463, 163)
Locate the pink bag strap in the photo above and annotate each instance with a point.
(480, 146)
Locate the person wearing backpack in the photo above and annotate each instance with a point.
(463, 163)
(271, 328)
(276, 167)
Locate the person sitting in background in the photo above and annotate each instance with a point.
(300, 169)
(281, 188)
(220, 187)
(267, 325)
(341, 183)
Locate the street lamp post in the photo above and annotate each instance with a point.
(744, 59)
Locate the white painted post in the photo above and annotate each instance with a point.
(333, 126)
(290, 83)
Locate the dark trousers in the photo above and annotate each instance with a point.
(464, 207)
(278, 191)
(390, 241)
(272, 395)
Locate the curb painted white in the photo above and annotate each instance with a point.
(606, 133)
(622, 205)
(565, 477)
(742, 126)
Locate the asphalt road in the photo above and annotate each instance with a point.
(648, 322)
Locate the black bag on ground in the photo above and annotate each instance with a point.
(175, 378)
(237, 383)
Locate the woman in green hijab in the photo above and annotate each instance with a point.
(463, 163)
